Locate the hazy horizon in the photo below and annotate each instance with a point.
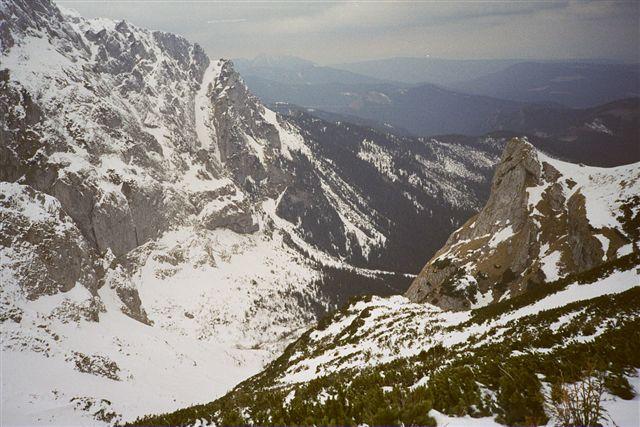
(594, 60)
(332, 32)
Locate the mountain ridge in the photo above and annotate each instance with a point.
(563, 83)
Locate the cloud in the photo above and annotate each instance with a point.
(354, 15)
(227, 21)
(340, 31)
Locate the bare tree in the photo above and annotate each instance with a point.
(578, 403)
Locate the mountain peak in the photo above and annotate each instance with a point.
(544, 219)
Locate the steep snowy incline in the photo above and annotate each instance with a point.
(206, 133)
(90, 355)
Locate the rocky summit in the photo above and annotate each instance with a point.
(545, 219)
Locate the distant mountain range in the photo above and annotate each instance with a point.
(421, 110)
(578, 85)
(426, 70)
(294, 70)
(607, 133)
(575, 83)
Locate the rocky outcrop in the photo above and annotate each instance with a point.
(42, 250)
(95, 364)
(439, 281)
(248, 145)
(535, 228)
(19, 18)
(586, 251)
(132, 305)
(234, 216)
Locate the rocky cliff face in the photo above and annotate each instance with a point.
(42, 245)
(544, 219)
(84, 103)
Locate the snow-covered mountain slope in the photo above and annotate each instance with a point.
(403, 182)
(544, 220)
(155, 213)
(390, 361)
(386, 361)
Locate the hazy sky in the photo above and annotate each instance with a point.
(341, 31)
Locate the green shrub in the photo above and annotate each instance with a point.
(519, 396)
(618, 385)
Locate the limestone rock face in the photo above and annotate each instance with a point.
(21, 17)
(586, 251)
(248, 144)
(234, 216)
(544, 219)
(518, 169)
(42, 251)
